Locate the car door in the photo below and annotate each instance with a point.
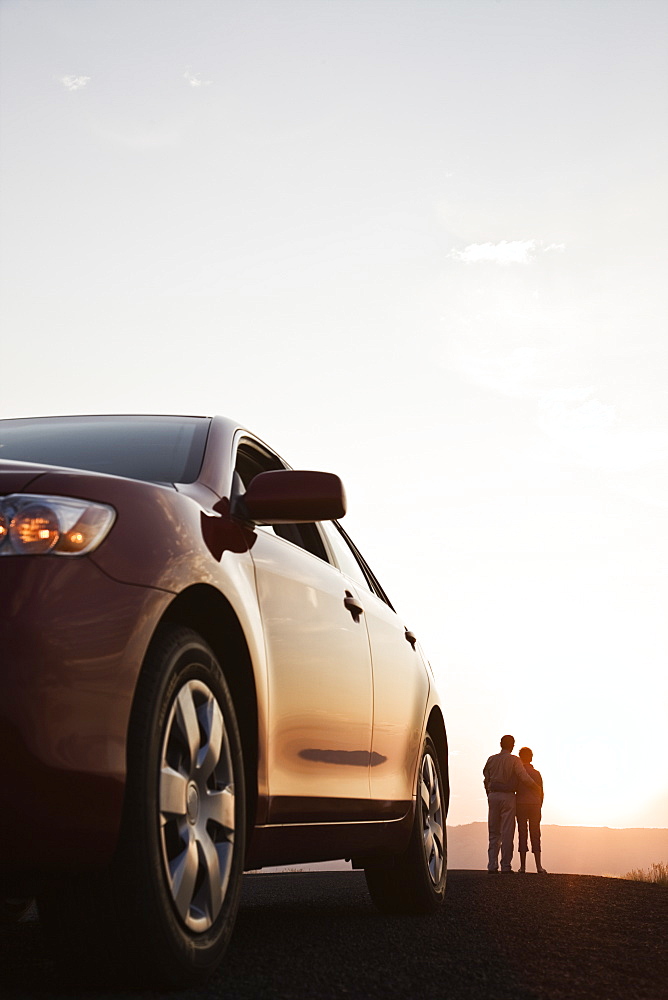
(319, 677)
(401, 684)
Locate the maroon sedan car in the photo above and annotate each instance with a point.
(200, 675)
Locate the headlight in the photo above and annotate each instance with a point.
(33, 525)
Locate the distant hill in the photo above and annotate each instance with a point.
(571, 850)
(574, 850)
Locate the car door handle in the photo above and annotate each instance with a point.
(353, 605)
(410, 637)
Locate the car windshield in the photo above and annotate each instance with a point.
(155, 449)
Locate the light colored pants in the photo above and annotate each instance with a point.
(501, 824)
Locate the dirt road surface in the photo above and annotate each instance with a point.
(306, 936)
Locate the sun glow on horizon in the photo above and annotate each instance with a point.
(588, 782)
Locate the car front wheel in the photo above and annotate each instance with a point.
(167, 907)
(414, 882)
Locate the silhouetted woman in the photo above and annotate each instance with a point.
(527, 809)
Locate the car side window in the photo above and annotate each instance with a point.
(351, 562)
(347, 562)
(251, 460)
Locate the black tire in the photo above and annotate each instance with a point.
(164, 913)
(414, 882)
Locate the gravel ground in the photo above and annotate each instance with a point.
(555, 937)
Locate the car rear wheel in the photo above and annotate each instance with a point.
(414, 882)
(165, 911)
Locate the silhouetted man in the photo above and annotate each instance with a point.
(503, 773)
(528, 808)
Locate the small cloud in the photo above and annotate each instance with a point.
(74, 82)
(195, 80)
(505, 252)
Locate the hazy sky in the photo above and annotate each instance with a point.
(421, 244)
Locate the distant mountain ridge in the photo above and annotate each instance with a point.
(573, 850)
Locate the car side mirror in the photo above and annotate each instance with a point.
(291, 496)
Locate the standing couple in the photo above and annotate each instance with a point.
(514, 792)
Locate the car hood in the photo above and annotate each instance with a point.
(15, 477)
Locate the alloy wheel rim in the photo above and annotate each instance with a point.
(433, 840)
(196, 806)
